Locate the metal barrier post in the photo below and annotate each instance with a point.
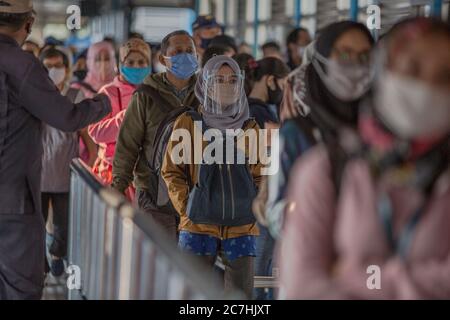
(123, 254)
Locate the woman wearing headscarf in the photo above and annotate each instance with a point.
(101, 64)
(135, 62)
(214, 198)
(322, 97)
(102, 68)
(383, 233)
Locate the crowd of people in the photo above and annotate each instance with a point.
(363, 152)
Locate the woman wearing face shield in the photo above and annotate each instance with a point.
(385, 234)
(224, 107)
(101, 64)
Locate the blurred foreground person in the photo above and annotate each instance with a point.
(296, 42)
(22, 80)
(135, 66)
(321, 99)
(214, 198)
(386, 225)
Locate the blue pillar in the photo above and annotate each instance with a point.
(225, 14)
(437, 9)
(256, 27)
(298, 12)
(354, 9)
(197, 7)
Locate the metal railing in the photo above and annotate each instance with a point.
(123, 254)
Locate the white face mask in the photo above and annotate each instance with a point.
(301, 51)
(160, 68)
(346, 82)
(58, 75)
(410, 108)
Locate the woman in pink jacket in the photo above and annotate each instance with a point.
(384, 232)
(101, 63)
(135, 58)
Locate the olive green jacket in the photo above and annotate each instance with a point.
(137, 133)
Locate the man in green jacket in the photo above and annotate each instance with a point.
(145, 113)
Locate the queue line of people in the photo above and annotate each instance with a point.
(364, 126)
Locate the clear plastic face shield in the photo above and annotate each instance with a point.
(224, 91)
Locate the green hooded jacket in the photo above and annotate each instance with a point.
(137, 133)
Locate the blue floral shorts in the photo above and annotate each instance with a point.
(206, 245)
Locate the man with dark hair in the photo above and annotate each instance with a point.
(272, 49)
(161, 94)
(226, 41)
(216, 51)
(297, 41)
(28, 97)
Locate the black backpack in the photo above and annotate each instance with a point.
(159, 145)
(86, 86)
(224, 193)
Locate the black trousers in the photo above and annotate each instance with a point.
(60, 205)
(22, 245)
(167, 221)
(238, 273)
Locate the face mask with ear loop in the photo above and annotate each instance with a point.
(347, 82)
(408, 107)
(183, 65)
(58, 75)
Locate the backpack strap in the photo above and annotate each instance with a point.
(72, 94)
(196, 116)
(87, 86)
(195, 105)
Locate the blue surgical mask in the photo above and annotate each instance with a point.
(184, 65)
(135, 75)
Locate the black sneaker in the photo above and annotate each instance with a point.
(57, 267)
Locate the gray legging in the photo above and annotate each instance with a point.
(60, 205)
